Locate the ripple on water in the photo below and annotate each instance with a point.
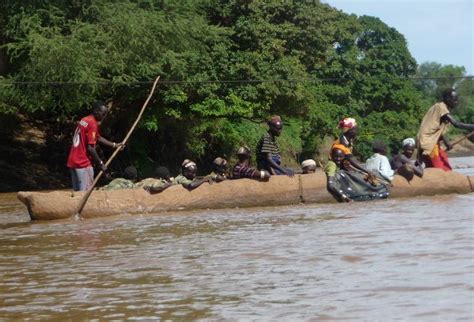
(402, 259)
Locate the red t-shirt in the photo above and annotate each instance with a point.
(87, 133)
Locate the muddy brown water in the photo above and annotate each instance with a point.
(410, 259)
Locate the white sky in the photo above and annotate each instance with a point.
(436, 30)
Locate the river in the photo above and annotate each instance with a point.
(410, 259)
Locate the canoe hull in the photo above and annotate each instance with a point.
(280, 190)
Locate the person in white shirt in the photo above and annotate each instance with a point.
(378, 162)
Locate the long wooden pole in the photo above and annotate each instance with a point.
(463, 138)
(89, 192)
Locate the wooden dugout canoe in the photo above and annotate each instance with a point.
(280, 190)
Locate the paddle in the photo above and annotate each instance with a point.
(467, 136)
(89, 192)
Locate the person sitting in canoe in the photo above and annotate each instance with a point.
(334, 165)
(432, 132)
(268, 152)
(402, 163)
(308, 166)
(127, 182)
(346, 185)
(345, 142)
(243, 169)
(378, 162)
(158, 183)
(219, 172)
(187, 177)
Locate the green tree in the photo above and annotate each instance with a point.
(373, 72)
(225, 67)
(433, 78)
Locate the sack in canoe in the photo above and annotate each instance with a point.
(355, 186)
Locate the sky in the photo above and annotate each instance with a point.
(440, 31)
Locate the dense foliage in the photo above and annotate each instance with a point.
(434, 77)
(225, 67)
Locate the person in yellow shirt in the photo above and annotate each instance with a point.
(432, 132)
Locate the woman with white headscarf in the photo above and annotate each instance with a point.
(403, 164)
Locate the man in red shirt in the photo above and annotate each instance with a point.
(83, 150)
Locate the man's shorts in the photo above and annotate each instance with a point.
(82, 178)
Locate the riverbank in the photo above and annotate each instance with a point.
(30, 157)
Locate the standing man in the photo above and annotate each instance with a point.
(268, 152)
(433, 127)
(83, 150)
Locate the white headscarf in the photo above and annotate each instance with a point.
(188, 163)
(409, 141)
(308, 163)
